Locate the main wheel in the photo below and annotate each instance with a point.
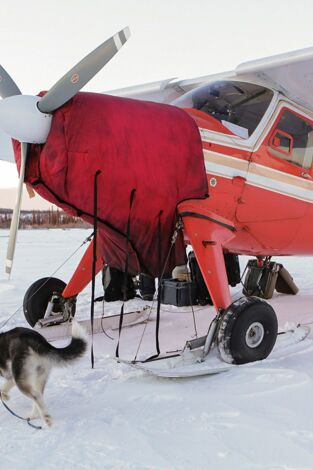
(247, 332)
(39, 295)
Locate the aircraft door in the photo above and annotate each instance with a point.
(279, 182)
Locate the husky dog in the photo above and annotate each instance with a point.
(26, 359)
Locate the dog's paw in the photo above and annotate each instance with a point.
(48, 420)
(4, 395)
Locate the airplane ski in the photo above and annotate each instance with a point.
(63, 330)
(189, 364)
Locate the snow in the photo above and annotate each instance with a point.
(253, 417)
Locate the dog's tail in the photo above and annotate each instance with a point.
(75, 349)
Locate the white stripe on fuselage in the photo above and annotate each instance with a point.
(258, 175)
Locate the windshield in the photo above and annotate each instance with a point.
(239, 103)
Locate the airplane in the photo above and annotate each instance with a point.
(222, 163)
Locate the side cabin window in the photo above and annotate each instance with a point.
(292, 139)
(239, 106)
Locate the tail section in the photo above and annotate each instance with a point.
(75, 349)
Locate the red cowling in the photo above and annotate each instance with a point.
(152, 148)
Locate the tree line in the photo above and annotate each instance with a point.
(41, 219)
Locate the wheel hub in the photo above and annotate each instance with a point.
(254, 335)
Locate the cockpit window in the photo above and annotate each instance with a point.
(292, 139)
(239, 103)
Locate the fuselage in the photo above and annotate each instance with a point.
(260, 175)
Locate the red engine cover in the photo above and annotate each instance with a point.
(152, 148)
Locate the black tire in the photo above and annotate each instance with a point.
(37, 297)
(247, 332)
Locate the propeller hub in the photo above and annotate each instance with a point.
(21, 119)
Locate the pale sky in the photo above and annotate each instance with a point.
(41, 40)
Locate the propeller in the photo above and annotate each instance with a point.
(28, 118)
(16, 213)
(82, 72)
(8, 87)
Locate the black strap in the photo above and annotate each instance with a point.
(205, 217)
(160, 279)
(94, 260)
(125, 280)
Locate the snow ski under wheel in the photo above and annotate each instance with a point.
(189, 363)
(247, 331)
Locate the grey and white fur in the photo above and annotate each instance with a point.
(26, 359)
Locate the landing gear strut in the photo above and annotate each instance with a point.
(245, 330)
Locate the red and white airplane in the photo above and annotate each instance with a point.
(229, 155)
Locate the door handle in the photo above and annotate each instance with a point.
(306, 175)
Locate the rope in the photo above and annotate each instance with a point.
(18, 416)
(102, 317)
(144, 330)
(88, 239)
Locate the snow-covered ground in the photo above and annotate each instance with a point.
(115, 417)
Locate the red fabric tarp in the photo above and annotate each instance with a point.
(152, 148)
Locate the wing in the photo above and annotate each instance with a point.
(166, 91)
(290, 73)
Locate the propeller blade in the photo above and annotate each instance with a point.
(6, 150)
(16, 213)
(81, 73)
(8, 87)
